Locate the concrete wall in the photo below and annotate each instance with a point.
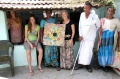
(117, 6)
(3, 28)
(101, 12)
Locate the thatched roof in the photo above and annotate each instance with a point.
(40, 4)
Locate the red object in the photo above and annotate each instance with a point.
(117, 69)
(100, 32)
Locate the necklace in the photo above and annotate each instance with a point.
(66, 22)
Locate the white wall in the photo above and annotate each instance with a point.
(3, 28)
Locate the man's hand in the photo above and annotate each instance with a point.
(80, 38)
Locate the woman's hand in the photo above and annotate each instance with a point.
(31, 46)
(80, 38)
(35, 44)
(70, 42)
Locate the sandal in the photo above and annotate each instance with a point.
(41, 70)
(31, 73)
(68, 68)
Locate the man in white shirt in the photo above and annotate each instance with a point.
(89, 23)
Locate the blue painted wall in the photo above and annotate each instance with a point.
(117, 6)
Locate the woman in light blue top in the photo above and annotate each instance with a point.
(51, 52)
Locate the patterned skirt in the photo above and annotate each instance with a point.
(51, 56)
(106, 50)
(15, 34)
(66, 56)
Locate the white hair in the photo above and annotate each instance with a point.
(64, 11)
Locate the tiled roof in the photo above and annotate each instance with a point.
(39, 4)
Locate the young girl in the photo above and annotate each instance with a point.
(31, 41)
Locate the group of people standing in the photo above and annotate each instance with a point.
(51, 53)
(63, 57)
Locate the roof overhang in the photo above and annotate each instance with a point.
(41, 4)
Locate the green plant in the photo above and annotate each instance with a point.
(107, 2)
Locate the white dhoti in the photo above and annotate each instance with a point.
(86, 52)
(87, 29)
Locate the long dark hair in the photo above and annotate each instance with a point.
(29, 23)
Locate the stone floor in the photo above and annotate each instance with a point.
(51, 73)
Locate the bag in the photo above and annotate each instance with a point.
(116, 59)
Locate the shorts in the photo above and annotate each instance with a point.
(27, 46)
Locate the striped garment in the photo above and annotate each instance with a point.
(106, 49)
